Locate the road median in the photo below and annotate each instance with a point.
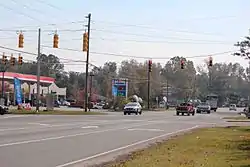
(217, 147)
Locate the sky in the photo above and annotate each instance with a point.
(122, 30)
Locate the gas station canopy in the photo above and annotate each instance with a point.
(27, 77)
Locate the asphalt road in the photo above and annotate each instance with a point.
(58, 141)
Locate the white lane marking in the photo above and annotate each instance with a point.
(73, 135)
(39, 124)
(88, 127)
(154, 130)
(13, 116)
(11, 129)
(125, 147)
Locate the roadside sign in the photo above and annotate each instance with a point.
(120, 87)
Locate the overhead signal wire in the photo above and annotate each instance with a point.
(151, 36)
(142, 57)
(153, 28)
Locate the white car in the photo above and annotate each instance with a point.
(132, 107)
(232, 107)
(98, 106)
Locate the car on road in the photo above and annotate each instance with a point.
(233, 107)
(132, 107)
(203, 107)
(185, 108)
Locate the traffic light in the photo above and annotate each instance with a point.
(182, 64)
(12, 60)
(4, 59)
(20, 41)
(210, 62)
(85, 42)
(150, 65)
(20, 60)
(55, 41)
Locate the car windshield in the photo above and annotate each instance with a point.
(203, 104)
(185, 104)
(131, 104)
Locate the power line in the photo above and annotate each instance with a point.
(142, 57)
(153, 28)
(152, 36)
(49, 4)
(34, 54)
(16, 11)
(152, 41)
(27, 7)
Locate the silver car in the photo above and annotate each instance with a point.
(232, 107)
(132, 107)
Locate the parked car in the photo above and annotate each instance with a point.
(203, 107)
(3, 110)
(132, 107)
(185, 108)
(232, 107)
(98, 106)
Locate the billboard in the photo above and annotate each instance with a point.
(120, 87)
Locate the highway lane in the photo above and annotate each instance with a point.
(57, 141)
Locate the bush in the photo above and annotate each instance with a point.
(120, 102)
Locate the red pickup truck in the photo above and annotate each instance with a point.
(185, 108)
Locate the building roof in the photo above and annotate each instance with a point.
(27, 77)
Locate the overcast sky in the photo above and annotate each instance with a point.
(156, 29)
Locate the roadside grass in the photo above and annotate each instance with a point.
(210, 147)
(237, 118)
(55, 112)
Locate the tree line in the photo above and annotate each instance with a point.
(226, 80)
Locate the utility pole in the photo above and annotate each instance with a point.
(87, 66)
(38, 71)
(90, 89)
(148, 90)
(149, 72)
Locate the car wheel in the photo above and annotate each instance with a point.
(188, 114)
(177, 113)
(140, 112)
(193, 113)
(124, 113)
(182, 113)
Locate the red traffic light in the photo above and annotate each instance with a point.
(150, 62)
(182, 64)
(210, 62)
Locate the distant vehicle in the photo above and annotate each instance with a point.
(132, 107)
(3, 110)
(98, 106)
(212, 100)
(185, 108)
(66, 103)
(203, 107)
(232, 107)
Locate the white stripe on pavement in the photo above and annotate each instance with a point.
(127, 146)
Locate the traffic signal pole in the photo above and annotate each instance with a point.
(38, 71)
(3, 82)
(148, 89)
(87, 66)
